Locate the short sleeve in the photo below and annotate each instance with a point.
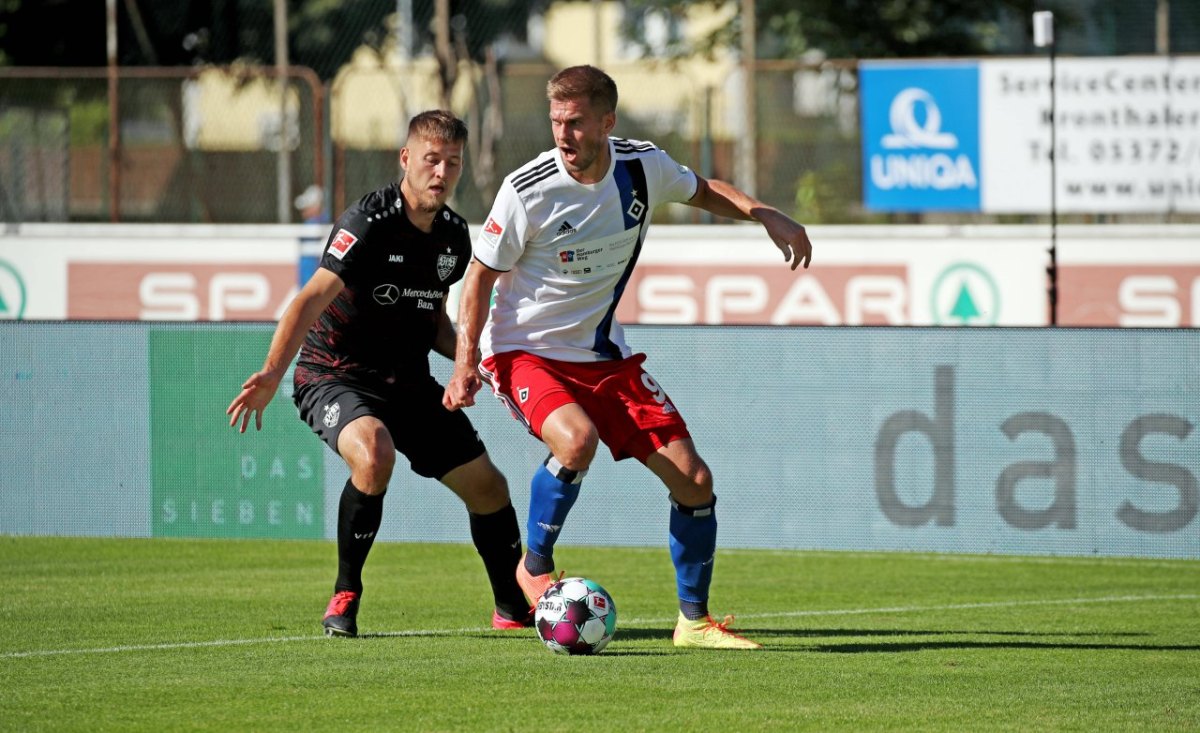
(502, 240)
(344, 244)
(676, 182)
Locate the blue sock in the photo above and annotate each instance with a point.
(693, 545)
(553, 492)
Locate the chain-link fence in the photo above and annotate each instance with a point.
(204, 145)
(224, 143)
(193, 145)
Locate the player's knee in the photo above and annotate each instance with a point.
(576, 448)
(494, 487)
(480, 485)
(701, 485)
(694, 486)
(577, 453)
(375, 463)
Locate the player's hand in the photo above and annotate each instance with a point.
(461, 389)
(256, 394)
(791, 239)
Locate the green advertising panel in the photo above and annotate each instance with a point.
(208, 480)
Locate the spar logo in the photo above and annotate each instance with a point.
(921, 137)
(965, 294)
(12, 293)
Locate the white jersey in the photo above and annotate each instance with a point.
(567, 250)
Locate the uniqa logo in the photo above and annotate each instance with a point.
(12, 293)
(940, 170)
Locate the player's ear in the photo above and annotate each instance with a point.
(404, 159)
(610, 121)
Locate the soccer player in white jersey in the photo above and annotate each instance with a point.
(558, 247)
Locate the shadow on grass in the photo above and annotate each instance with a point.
(803, 638)
(813, 633)
(934, 645)
(629, 634)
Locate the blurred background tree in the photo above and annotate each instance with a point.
(322, 34)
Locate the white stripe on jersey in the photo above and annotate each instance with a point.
(567, 248)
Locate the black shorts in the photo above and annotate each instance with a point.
(435, 440)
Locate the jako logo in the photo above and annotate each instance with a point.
(938, 171)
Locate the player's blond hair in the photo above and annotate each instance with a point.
(584, 82)
(438, 125)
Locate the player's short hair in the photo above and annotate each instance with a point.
(579, 82)
(439, 125)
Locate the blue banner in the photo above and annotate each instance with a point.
(920, 136)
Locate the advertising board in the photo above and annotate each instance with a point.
(158, 272)
(976, 136)
(1110, 275)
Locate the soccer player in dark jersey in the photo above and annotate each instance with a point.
(368, 318)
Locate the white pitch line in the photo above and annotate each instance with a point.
(1116, 561)
(225, 642)
(634, 622)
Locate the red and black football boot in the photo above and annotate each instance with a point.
(341, 616)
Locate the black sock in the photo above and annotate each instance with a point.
(693, 610)
(359, 516)
(497, 537)
(538, 564)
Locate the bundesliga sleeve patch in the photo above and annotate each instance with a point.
(342, 243)
(492, 232)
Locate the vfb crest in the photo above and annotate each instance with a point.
(445, 265)
(332, 413)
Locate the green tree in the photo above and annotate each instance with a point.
(322, 34)
(866, 28)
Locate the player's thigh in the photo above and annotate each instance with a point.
(433, 439)
(529, 386)
(329, 408)
(479, 484)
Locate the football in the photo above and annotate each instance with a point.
(575, 616)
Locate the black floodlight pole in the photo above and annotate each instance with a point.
(1043, 35)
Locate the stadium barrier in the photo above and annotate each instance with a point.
(1112, 275)
(982, 440)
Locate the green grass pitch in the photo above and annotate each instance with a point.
(154, 635)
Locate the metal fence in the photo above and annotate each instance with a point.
(203, 144)
(190, 144)
(227, 145)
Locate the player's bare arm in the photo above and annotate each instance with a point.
(722, 199)
(445, 341)
(472, 314)
(301, 313)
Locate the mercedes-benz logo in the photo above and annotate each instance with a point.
(386, 294)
